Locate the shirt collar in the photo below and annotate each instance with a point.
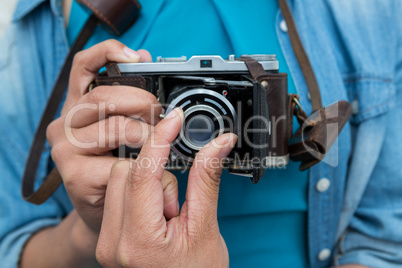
(24, 7)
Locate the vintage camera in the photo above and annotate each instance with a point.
(220, 96)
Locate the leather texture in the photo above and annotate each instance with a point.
(276, 89)
(253, 66)
(317, 133)
(278, 109)
(113, 77)
(115, 15)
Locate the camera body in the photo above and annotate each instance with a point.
(220, 96)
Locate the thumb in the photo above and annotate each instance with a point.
(204, 177)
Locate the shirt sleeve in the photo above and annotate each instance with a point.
(18, 120)
(374, 236)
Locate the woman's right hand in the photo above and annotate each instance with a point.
(94, 123)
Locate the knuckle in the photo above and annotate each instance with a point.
(169, 182)
(157, 139)
(142, 178)
(123, 130)
(135, 132)
(152, 103)
(58, 152)
(145, 252)
(111, 43)
(99, 94)
(70, 179)
(124, 256)
(196, 231)
(210, 168)
(150, 99)
(113, 126)
(159, 136)
(51, 131)
(211, 180)
(149, 104)
(214, 174)
(79, 58)
(69, 170)
(126, 127)
(103, 254)
(119, 169)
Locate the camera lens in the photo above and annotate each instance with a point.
(200, 130)
(207, 114)
(202, 123)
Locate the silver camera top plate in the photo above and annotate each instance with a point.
(198, 64)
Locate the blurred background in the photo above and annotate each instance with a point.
(6, 12)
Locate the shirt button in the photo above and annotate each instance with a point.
(323, 185)
(283, 26)
(324, 254)
(355, 107)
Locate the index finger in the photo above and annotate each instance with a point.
(144, 191)
(154, 153)
(87, 63)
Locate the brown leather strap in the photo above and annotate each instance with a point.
(113, 77)
(301, 56)
(48, 187)
(50, 184)
(254, 67)
(313, 139)
(117, 15)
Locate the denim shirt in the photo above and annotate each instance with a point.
(355, 47)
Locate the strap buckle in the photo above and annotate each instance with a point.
(298, 105)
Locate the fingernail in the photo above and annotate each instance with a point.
(131, 53)
(172, 113)
(228, 146)
(178, 207)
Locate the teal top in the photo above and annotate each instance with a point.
(263, 224)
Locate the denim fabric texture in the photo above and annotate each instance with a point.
(355, 48)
